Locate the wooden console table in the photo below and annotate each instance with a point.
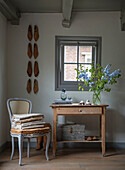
(77, 109)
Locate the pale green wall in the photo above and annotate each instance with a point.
(104, 24)
(3, 78)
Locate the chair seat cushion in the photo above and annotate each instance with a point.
(45, 129)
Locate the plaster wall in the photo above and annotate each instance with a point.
(3, 80)
(104, 24)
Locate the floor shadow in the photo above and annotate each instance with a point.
(115, 153)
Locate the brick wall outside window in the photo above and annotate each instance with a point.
(70, 56)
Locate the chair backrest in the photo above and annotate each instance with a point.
(18, 106)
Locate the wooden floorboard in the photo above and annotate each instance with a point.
(66, 159)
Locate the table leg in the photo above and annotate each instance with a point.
(103, 132)
(100, 117)
(54, 132)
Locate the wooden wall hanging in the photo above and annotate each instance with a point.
(31, 52)
(35, 88)
(36, 33)
(35, 51)
(29, 69)
(36, 69)
(29, 35)
(29, 86)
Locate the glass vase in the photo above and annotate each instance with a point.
(96, 98)
(63, 94)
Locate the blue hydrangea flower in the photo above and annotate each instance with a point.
(107, 68)
(91, 84)
(115, 73)
(106, 72)
(109, 80)
(105, 76)
(81, 75)
(84, 76)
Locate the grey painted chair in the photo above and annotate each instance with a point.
(21, 106)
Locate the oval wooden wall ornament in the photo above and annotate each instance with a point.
(36, 33)
(36, 87)
(31, 52)
(29, 86)
(36, 53)
(36, 69)
(29, 34)
(29, 69)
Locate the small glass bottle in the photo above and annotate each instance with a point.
(63, 94)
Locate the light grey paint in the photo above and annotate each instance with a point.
(67, 12)
(31, 6)
(8, 10)
(12, 9)
(106, 25)
(38, 5)
(98, 5)
(3, 78)
(67, 9)
(123, 20)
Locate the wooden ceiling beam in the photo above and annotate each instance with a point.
(122, 20)
(9, 11)
(67, 12)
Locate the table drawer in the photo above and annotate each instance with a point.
(80, 110)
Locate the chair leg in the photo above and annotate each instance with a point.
(44, 142)
(12, 153)
(47, 146)
(28, 148)
(20, 148)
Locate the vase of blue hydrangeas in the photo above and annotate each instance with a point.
(96, 99)
(97, 79)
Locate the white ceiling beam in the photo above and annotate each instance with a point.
(123, 20)
(67, 12)
(9, 12)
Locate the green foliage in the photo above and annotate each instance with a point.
(98, 81)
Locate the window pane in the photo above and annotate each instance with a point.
(72, 51)
(70, 73)
(70, 54)
(86, 66)
(85, 54)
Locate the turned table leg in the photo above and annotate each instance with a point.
(103, 131)
(54, 132)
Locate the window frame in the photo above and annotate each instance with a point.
(60, 41)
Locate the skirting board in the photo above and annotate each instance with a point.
(119, 145)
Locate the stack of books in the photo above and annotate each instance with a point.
(27, 121)
(60, 101)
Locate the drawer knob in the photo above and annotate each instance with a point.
(70, 129)
(80, 110)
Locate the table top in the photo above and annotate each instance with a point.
(53, 105)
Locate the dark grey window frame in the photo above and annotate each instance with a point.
(60, 41)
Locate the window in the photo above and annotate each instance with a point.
(70, 53)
